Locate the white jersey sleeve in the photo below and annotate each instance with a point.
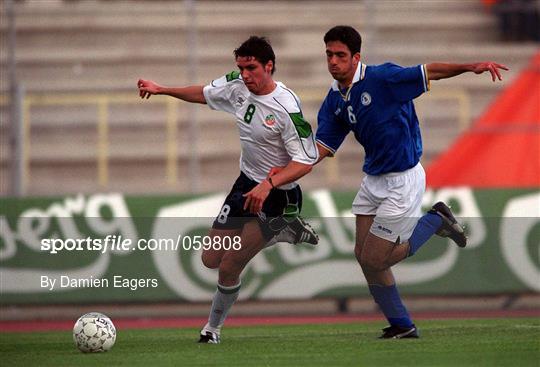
(220, 94)
(296, 132)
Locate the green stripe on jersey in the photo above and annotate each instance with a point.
(233, 75)
(302, 126)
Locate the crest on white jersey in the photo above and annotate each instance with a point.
(270, 120)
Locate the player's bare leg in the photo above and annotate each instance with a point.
(379, 254)
(231, 264)
(211, 258)
(373, 254)
(363, 223)
(373, 276)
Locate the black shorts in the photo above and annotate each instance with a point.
(278, 202)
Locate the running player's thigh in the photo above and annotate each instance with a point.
(212, 257)
(363, 224)
(252, 241)
(376, 250)
(367, 244)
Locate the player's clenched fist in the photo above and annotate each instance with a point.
(147, 88)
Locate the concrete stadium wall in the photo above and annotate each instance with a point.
(103, 47)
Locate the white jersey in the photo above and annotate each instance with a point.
(272, 128)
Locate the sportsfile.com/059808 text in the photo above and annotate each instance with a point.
(119, 243)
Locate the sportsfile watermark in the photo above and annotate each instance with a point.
(502, 229)
(121, 243)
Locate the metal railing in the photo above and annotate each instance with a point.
(459, 95)
(104, 101)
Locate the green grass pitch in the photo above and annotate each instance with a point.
(475, 342)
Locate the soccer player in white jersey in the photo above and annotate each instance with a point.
(375, 103)
(273, 132)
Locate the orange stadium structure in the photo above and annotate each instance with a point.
(502, 149)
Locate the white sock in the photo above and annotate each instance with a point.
(223, 300)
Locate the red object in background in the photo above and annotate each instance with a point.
(502, 149)
(489, 3)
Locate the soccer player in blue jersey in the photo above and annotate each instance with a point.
(375, 103)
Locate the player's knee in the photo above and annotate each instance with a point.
(211, 261)
(372, 263)
(229, 268)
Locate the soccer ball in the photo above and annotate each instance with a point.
(94, 332)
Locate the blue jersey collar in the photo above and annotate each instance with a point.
(360, 74)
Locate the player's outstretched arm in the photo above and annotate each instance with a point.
(439, 70)
(323, 152)
(193, 93)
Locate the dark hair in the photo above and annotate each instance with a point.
(347, 35)
(259, 48)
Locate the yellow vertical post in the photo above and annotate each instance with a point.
(26, 144)
(172, 143)
(103, 142)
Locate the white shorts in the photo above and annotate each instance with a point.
(396, 201)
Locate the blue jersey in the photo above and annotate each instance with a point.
(378, 109)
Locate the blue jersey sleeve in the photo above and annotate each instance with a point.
(406, 83)
(330, 131)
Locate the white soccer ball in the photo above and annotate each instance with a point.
(94, 332)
